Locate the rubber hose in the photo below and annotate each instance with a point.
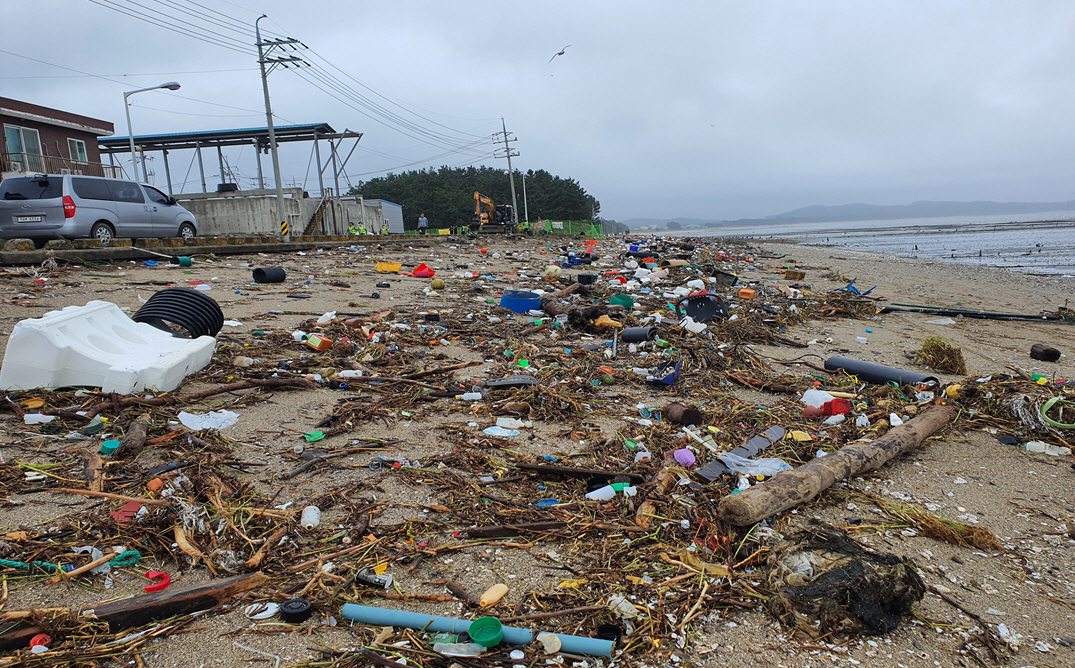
(196, 313)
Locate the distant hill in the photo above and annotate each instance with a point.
(923, 209)
(661, 223)
(848, 212)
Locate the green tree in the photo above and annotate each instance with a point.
(673, 225)
(446, 195)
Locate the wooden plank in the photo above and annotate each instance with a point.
(139, 610)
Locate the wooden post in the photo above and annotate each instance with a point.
(791, 488)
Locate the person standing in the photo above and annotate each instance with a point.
(423, 224)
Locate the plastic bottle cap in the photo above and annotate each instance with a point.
(108, 447)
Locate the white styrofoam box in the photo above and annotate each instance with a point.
(97, 345)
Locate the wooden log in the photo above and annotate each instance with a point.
(664, 482)
(93, 468)
(135, 440)
(791, 488)
(579, 473)
(126, 613)
(515, 529)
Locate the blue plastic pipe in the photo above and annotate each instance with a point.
(365, 614)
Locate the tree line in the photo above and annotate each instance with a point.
(446, 195)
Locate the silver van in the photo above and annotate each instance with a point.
(44, 207)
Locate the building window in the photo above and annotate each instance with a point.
(24, 148)
(77, 149)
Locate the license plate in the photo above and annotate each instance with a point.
(29, 219)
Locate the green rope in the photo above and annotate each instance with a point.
(7, 563)
(128, 558)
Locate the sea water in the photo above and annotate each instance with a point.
(1035, 243)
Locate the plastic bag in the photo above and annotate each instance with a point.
(766, 466)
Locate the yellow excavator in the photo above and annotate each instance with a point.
(488, 217)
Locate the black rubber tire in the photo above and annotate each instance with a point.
(196, 313)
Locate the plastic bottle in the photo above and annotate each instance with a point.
(494, 594)
(472, 396)
(299, 335)
(327, 318)
(602, 493)
(311, 517)
(459, 648)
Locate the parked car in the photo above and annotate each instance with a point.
(44, 207)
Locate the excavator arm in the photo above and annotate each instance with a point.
(479, 200)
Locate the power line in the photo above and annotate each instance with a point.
(373, 109)
(209, 39)
(130, 74)
(125, 83)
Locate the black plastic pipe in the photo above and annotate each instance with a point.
(876, 373)
(194, 312)
(639, 334)
(269, 275)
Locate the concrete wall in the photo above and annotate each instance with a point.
(254, 212)
(390, 210)
(247, 211)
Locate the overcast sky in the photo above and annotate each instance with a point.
(691, 109)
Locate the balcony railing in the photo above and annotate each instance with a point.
(29, 163)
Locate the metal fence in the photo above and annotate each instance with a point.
(30, 163)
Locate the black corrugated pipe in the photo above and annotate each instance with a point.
(194, 312)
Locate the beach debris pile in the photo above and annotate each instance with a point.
(581, 428)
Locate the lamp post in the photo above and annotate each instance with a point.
(171, 85)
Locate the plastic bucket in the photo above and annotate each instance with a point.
(622, 300)
(520, 301)
(270, 275)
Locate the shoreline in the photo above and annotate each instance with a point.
(437, 432)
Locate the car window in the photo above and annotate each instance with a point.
(126, 191)
(156, 195)
(92, 189)
(32, 187)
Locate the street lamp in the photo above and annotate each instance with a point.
(171, 85)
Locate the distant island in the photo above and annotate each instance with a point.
(851, 212)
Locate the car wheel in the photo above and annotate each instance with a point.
(186, 230)
(102, 232)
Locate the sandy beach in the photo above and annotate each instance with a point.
(462, 478)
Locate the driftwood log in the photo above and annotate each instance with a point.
(126, 613)
(791, 488)
(135, 440)
(578, 315)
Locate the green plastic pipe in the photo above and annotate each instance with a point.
(365, 614)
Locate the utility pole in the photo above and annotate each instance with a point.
(526, 209)
(285, 233)
(509, 154)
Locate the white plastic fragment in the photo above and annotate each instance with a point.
(97, 345)
(550, 641)
(213, 420)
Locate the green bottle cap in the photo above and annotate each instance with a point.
(108, 447)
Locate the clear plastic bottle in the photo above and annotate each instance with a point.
(459, 648)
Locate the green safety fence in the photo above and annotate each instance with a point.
(587, 228)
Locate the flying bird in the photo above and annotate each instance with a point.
(559, 54)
